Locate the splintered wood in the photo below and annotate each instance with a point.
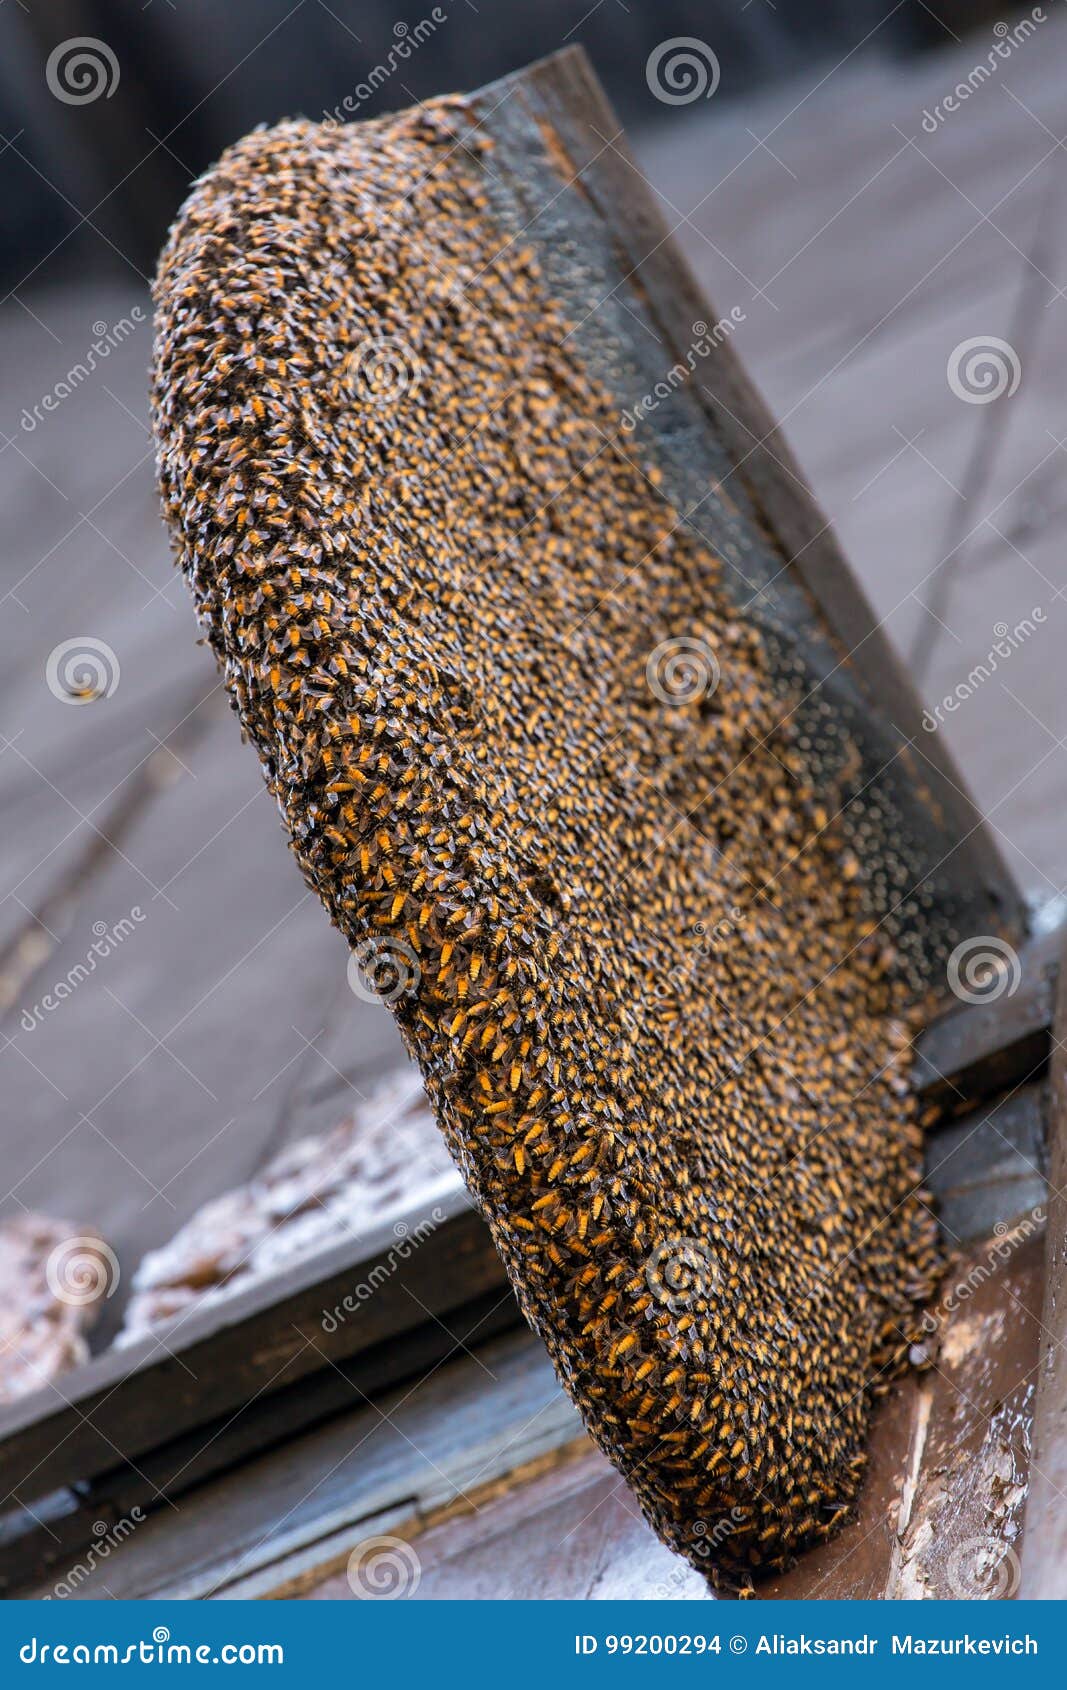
(555, 791)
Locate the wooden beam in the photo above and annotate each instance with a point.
(1044, 1566)
(976, 1050)
(210, 1364)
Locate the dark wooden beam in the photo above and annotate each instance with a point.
(60, 1527)
(1044, 1564)
(976, 1050)
(196, 1371)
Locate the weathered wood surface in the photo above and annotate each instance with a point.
(53, 1532)
(978, 1049)
(987, 1168)
(940, 1514)
(1044, 1566)
(484, 1470)
(212, 1361)
(424, 1447)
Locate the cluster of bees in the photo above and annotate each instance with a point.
(433, 574)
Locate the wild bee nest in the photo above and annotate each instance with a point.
(550, 785)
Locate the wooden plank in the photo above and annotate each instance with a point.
(961, 1511)
(1044, 1569)
(215, 1360)
(941, 1505)
(939, 1514)
(411, 1454)
(854, 1566)
(59, 1530)
(981, 1048)
(987, 1168)
(569, 1533)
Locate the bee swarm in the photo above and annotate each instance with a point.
(538, 766)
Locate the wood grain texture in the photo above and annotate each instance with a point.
(218, 1358)
(422, 1447)
(939, 1515)
(1044, 1565)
